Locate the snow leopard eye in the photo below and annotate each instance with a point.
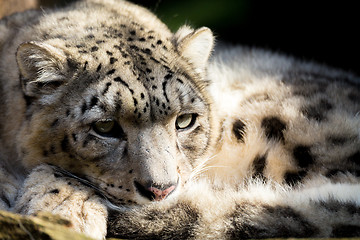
(185, 121)
(108, 128)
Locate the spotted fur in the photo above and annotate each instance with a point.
(126, 129)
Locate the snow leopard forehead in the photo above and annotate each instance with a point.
(128, 59)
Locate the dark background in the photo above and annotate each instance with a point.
(326, 32)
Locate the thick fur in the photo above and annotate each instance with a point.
(102, 104)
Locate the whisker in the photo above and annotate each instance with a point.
(89, 184)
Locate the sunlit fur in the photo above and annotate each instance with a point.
(272, 148)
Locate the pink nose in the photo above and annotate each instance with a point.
(153, 191)
(161, 194)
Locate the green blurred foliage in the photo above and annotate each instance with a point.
(222, 16)
(197, 13)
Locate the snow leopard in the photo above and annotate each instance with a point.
(128, 130)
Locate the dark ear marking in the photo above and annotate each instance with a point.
(42, 67)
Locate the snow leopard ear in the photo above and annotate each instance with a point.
(195, 45)
(42, 68)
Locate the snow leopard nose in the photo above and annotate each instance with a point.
(154, 191)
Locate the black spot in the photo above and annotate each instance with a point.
(334, 172)
(337, 140)
(45, 153)
(294, 178)
(85, 65)
(72, 64)
(109, 53)
(94, 49)
(239, 130)
(148, 70)
(90, 36)
(133, 47)
(159, 42)
(303, 156)
(129, 39)
(83, 108)
(168, 76)
(54, 123)
(5, 200)
(113, 60)
(94, 100)
(180, 81)
(118, 79)
(74, 137)
(154, 87)
(133, 32)
(317, 112)
(100, 41)
(156, 61)
(142, 95)
(54, 191)
(65, 144)
(344, 230)
(110, 72)
(142, 39)
(57, 175)
(98, 68)
(355, 158)
(274, 128)
(146, 51)
(106, 89)
(131, 171)
(259, 164)
(135, 101)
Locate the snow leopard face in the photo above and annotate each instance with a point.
(116, 104)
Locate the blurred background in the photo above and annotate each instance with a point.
(326, 32)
